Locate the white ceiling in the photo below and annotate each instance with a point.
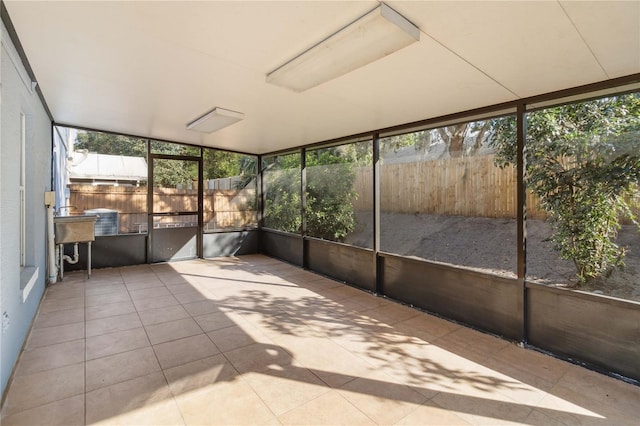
(148, 68)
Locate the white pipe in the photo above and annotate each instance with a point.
(76, 255)
(51, 251)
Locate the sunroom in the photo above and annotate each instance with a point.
(397, 212)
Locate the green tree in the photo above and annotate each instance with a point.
(583, 162)
(221, 164)
(282, 209)
(171, 173)
(106, 143)
(330, 192)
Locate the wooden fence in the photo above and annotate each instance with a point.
(467, 186)
(222, 208)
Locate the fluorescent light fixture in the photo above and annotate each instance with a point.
(369, 38)
(214, 120)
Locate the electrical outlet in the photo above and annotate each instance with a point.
(5, 322)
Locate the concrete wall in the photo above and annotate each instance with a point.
(18, 306)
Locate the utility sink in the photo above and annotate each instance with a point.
(74, 229)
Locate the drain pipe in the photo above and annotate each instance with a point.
(49, 199)
(76, 255)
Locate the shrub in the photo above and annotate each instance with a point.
(583, 162)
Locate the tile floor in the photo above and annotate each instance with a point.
(256, 341)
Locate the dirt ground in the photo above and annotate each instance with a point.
(489, 245)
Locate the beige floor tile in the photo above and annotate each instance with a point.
(64, 291)
(109, 310)
(190, 296)
(157, 316)
(393, 313)
(202, 307)
(43, 388)
(327, 360)
(483, 410)
(533, 368)
(57, 334)
(173, 330)
(383, 401)
(120, 367)
(146, 293)
(53, 305)
(106, 289)
(53, 319)
(171, 279)
(368, 301)
(539, 418)
(586, 397)
(287, 389)
(134, 284)
(49, 357)
(294, 349)
(107, 298)
(180, 288)
(182, 351)
(227, 403)
(214, 321)
(203, 373)
(230, 338)
(340, 293)
(66, 412)
(472, 344)
(101, 326)
(431, 414)
(429, 327)
(113, 343)
(259, 357)
(155, 303)
(73, 276)
(145, 400)
(328, 409)
(101, 277)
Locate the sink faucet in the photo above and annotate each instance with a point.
(59, 211)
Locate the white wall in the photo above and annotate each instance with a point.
(18, 96)
(60, 172)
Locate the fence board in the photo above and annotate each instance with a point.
(222, 208)
(464, 186)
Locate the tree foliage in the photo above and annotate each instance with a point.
(329, 191)
(174, 173)
(221, 164)
(460, 140)
(283, 205)
(583, 163)
(106, 143)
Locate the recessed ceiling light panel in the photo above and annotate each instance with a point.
(214, 120)
(369, 38)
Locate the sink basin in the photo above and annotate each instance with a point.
(74, 229)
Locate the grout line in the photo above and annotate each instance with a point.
(84, 394)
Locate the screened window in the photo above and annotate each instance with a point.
(108, 176)
(339, 193)
(282, 201)
(230, 190)
(447, 197)
(583, 171)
